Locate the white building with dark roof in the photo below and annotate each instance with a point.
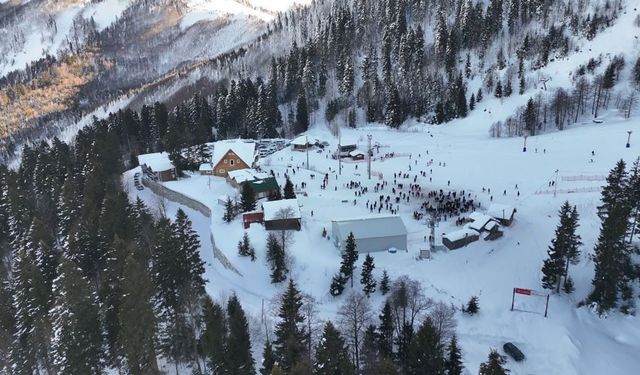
(372, 233)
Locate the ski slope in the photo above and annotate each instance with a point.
(570, 341)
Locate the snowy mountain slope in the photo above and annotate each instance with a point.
(34, 29)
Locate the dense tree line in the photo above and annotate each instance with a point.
(95, 282)
(412, 335)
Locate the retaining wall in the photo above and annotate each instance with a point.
(174, 196)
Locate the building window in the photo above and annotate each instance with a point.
(220, 170)
(231, 161)
(225, 161)
(238, 161)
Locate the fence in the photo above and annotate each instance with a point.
(174, 196)
(583, 178)
(592, 189)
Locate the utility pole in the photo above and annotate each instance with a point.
(338, 154)
(555, 184)
(369, 152)
(306, 138)
(629, 138)
(432, 233)
(524, 147)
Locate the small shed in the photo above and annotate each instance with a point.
(249, 218)
(264, 188)
(157, 166)
(486, 225)
(503, 213)
(357, 155)
(372, 233)
(206, 169)
(301, 143)
(460, 238)
(283, 214)
(345, 148)
(238, 177)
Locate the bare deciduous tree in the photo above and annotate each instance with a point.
(408, 302)
(355, 315)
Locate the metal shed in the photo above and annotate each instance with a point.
(373, 233)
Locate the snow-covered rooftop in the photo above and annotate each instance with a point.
(500, 211)
(245, 150)
(205, 167)
(300, 141)
(272, 209)
(157, 161)
(242, 175)
(460, 234)
(372, 226)
(356, 153)
(480, 221)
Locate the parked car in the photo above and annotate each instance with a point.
(513, 351)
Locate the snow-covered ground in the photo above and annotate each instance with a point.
(569, 341)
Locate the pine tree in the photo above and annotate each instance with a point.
(370, 354)
(247, 198)
(385, 331)
(238, 349)
(508, 89)
(332, 355)
(289, 193)
(479, 95)
(634, 199)
(349, 258)
(473, 306)
(76, 345)
(137, 321)
(635, 75)
(394, 115)
(32, 326)
(612, 258)
(461, 97)
(245, 249)
(498, 91)
(177, 272)
(302, 115)
(276, 259)
(564, 248)
(367, 280)
(440, 34)
(472, 102)
(384, 283)
(268, 359)
(494, 365)
(229, 211)
(337, 284)
(453, 364)
(213, 339)
(290, 333)
(426, 354)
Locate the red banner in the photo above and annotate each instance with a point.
(522, 291)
